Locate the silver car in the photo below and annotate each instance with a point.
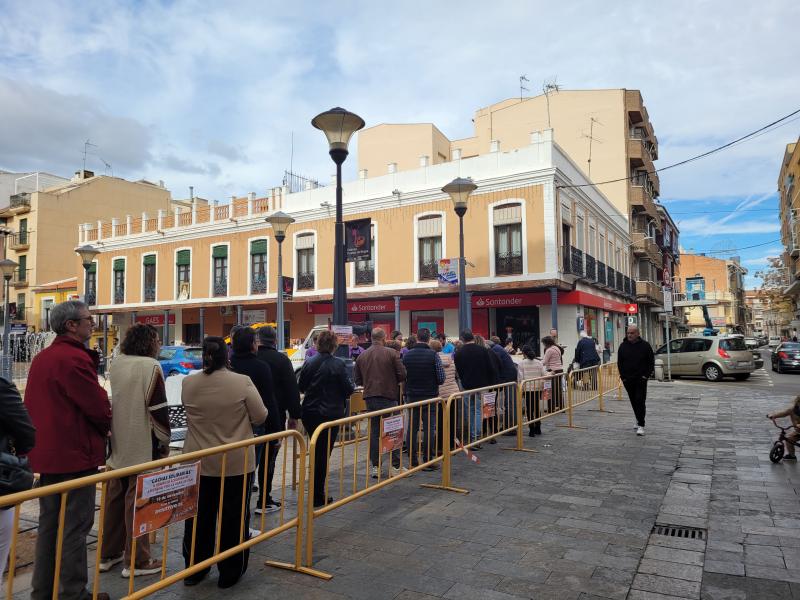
(711, 357)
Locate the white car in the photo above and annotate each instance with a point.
(774, 341)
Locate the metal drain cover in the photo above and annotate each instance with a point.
(688, 533)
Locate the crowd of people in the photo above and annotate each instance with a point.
(69, 429)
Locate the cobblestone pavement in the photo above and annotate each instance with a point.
(572, 521)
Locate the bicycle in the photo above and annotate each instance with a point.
(776, 454)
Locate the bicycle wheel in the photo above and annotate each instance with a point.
(776, 454)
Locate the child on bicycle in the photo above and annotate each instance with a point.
(792, 436)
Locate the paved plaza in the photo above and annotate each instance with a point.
(572, 521)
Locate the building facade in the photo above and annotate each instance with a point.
(607, 133)
(531, 237)
(756, 307)
(719, 281)
(41, 229)
(789, 206)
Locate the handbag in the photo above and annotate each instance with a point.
(15, 472)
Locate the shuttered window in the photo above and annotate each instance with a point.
(508, 214)
(258, 247)
(183, 258)
(220, 252)
(150, 259)
(304, 241)
(92, 268)
(430, 226)
(119, 264)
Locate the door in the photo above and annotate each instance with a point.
(693, 355)
(675, 347)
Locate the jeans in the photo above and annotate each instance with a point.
(6, 533)
(378, 403)
(266, 454)
(78, 520)
(637, 392)
(473, 413)
(429, 417)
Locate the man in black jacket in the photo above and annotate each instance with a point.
(245, 362)
(636, 362)
(424, 375)
(476, 369)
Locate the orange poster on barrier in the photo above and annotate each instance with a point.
(548, 391)
(489, 404)
(165, 497)
(391, 433)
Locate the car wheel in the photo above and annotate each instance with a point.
(776, 454)
(741, 376)
(712, 372)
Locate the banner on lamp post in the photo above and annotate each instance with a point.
(288, 287)
(447, 274)
(358, 242)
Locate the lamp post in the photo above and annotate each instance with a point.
(280, 221)
(7, 267)
(459, 191)
(87, 254)
(338, 125)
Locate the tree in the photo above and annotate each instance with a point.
(774, 280)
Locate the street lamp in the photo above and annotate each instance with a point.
(338, 125)
(87, 254)
(280, 221)
(7, 267)
(459, 190)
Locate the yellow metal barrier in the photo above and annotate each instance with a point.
(284, 523)
(350, 464)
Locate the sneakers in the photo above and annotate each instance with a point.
(270, 507)
(431, 467)
(107, 563)
(397, 471)
(640, 431)
(152, 567)
(254, 532)
(375, 472)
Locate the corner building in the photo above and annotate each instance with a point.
(528, 241)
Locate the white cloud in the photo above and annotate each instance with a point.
(706, 226)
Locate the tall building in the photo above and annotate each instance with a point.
(607, 133)
(42, 226)
(789, 205)
(756, 306)
(720, 281)
(543, 249)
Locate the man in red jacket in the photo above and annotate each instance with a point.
(72, 416)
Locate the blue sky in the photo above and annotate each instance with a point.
(210, 94)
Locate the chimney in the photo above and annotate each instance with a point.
(252, 196)
(392, 167)
(423, 160)
(455, 154)
(191, 192)
(161, 183)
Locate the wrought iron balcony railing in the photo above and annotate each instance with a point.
(591, 268)
(601, 273)
(258, 284)
(365, 276)
(305, 281)
(149, 293)
(573, 261)
(428, 270)
(220, 288)
(119, 295)
(508, 264)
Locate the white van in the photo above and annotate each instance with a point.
(774, 341)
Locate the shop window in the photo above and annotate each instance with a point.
(429, 232)
(508, 239)
(430, 319)
(304, 245)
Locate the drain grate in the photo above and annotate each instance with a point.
(688, 533)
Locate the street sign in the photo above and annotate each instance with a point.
(631, 320)
(632, 309)
(667, 291)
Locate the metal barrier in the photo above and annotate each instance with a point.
(285, 522)
(414, 425)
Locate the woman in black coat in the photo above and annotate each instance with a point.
(327, 386)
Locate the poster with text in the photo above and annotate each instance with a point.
(357, 240)
(489, 404)
(165, 497)
(448, 272)
(391, 433)
(343, 333)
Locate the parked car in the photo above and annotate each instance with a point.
(712, 357)
(758, 360)
(786, 357)
(180, 360)
(774, 341)
(751, 343)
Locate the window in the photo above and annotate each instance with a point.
(365, 269)
(508, 239)
(167, 354)
(610, 255)
(304, 246)
(674, 347)
(47, 306)
(183, 262)
(736, 343)
(579, 231)
(119, 281)
(592, 249)
(91, 284)
(22, 269)
(23, 231)
(602, 247)
(429, 232)
(258, 267)
(694, 345)
(149, 267)
(21, 307)
(219, 257)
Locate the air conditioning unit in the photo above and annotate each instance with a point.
(183, 293)
(226, 310)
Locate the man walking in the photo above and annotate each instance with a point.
(287, 399)
(424, 375)
(380, 370)
(586, 356)
(72, 416)
(636, 362)
(475, 368)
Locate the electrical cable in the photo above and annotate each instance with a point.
(731, 250)
(752, 134)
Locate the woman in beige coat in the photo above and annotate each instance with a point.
(221, 407)
(447, 389)
(531, 368)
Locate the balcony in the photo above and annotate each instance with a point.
(20, 203)
(258, 284)
(20, 279)
(601, 273)
(647, 292)
(620, 283)
(220, 288)
(365, 276)
(428, 270)
(90, 297)
(305, 281)
(19, 241)
(591, 268)
(508, 264)
(629, 287)
(119, 295)
(611, 277)
(573, 261)
(149, 293)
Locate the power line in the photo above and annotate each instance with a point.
(696, 157)
(732, 250)
(713, 212)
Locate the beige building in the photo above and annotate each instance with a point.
(606, 132)
(42, 227)
(531, 236)
(720, 282)
(789, 206)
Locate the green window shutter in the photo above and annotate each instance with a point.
(93, 268)
(119, 264)
(183, 258)
(150, 259)
(220, 252)
(258, 247)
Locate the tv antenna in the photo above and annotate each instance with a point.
(522, 88)
(591, 138)
(107, 164)
(86, 145)
(548, 87)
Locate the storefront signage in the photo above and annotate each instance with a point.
(357, 240)
(155, 320)
(495, 301)
(448, 272)
(631, 309)
(165, 497)
(250, 317)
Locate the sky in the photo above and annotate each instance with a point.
(220, 95)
